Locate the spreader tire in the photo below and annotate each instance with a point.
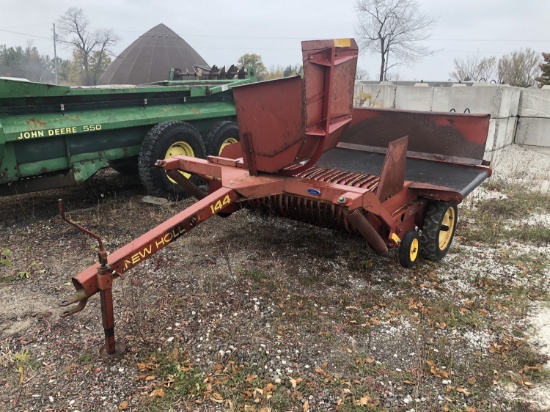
(127, 166)
(219, 135)
(438, 230)
(409, 249)
(162, 142)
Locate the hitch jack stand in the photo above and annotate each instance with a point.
(105, 283)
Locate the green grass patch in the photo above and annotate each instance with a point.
(493, 220)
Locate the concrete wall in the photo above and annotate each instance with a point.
(518, 115)
(534, 118)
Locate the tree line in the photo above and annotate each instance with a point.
(391, 29)
(395, 29)
(91, 54)
(521, 68)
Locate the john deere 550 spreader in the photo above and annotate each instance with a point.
(55, 136)
(395, 178)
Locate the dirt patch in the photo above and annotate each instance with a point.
(254, 312)
(20, 308)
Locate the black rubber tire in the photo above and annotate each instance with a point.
(127, 166)
(409, 249)
(155, 146)
(431, 247)
(218, 134)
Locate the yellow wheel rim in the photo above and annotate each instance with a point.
(447, 228)
(413, 251)
(180, 149)
(227, 142)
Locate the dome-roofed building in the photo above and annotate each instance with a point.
(150, 57)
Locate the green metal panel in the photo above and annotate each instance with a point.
(47, 129)
(22, 89)
(85, 169)
(47, 125)
(43, 166)
(2, 143)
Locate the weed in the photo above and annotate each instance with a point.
(24, 362)
(5, 255)
(254, 275)
(86, 358)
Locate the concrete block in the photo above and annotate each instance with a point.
(414, 97)
(490, 136)
(377, 95)
(533, 132)
(501, 133)
(498, 101)
(534, 103)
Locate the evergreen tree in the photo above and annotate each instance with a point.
(544, 79)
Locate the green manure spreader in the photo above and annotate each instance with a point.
(55, 136)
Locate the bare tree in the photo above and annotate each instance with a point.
(361, 74)
(474, 68)
(393, 28)
(92, 49)
(519, 68)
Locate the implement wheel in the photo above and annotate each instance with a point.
(162, 142)
(438, 230)
(409, 249)
(219, 135)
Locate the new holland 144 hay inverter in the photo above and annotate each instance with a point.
(305, 153)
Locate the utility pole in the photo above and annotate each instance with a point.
(55, 53)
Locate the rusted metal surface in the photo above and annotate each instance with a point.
(187, 184)
(454, 137)
(421, 172)
(33, 185)
(369, 233)
(270, 115)
(392, 176)
(311, 210)
(287, 121)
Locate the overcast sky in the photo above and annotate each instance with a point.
(221, 30)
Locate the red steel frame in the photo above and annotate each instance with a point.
(382, 216)
(230, 182)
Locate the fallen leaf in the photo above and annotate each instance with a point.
(294, 382)
(363, 401)
(216, 397)
(150, 378)
(157, 392)
(123, 406)
(250, 378)
(463, 391)
(471, 380)
(306, 406)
